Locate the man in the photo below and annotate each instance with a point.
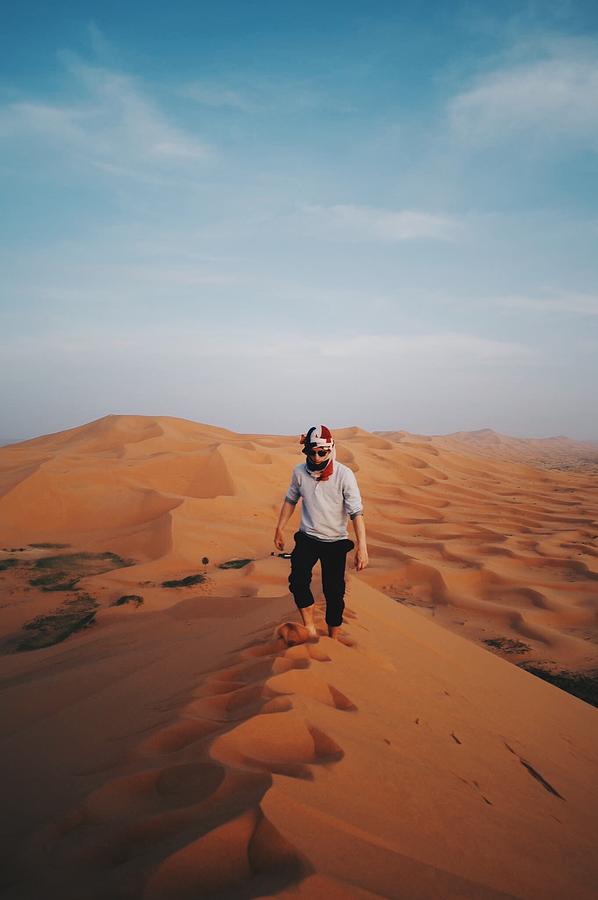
(330, 495)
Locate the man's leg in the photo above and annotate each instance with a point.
(303, 559)
(333, 559)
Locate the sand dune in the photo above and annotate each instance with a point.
(453, 533)
(553, 452)
(180, 747)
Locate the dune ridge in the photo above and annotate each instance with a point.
(403, 762)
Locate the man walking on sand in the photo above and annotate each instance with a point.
(330, 495)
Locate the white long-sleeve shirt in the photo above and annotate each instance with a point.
(326, 505)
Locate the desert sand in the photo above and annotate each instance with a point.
(167, 742)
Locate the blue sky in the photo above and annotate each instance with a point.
(264, 215)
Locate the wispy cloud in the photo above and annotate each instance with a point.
(443, 348)
(217, 96)
(449, 349)
(63, 279)
(555, 97)
(361, 223)
(114, 126)
(248, 93)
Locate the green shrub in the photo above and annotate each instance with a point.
(583, 685)
(128, 598)
(184, 582)
(508, 645)
(45, 631)
(73, 560)
(55, 581)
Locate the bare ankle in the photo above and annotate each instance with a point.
(307, 615)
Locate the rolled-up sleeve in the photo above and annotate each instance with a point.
(294, 491)
(351, 495)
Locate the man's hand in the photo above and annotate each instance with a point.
(286, 512)
(361, 558)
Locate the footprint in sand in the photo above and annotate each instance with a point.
(272, 681)
(231, 706)
(216, 784)
(245, 673)
(309, 685)
(229, 698)
(176, 736)
(283, 745)
(292, 633)
(145, 793)
(273, 648)
(126, 816)
(241, 851)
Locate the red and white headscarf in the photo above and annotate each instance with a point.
(321, 437)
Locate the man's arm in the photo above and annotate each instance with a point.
(286, 512)
(354, 506)
(361, 553)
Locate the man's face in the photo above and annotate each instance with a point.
(319, 454)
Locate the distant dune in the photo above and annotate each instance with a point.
(9, 440)
(552, 452)
(161, 740)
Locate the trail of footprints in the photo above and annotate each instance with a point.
(195, 805)
(186, 821)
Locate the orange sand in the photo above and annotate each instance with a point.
(182, 749)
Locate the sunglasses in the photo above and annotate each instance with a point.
(313, 452)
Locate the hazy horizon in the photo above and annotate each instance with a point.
(264, 216)
(5, 441)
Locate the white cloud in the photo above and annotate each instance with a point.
(114, 127)
(551, 98)
(362, 223)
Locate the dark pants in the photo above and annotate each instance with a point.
(332, 556)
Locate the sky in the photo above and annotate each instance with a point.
(269, 215)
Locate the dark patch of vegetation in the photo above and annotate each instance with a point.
(55, 581)
(235, 563)
(508, 645)
(8, 563)
(63, 572)
(45, 631)
(583, 685)
(184, 582)
(72, 560)
(128, 598)
(48, 546)
(205, 560)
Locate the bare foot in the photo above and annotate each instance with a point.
(293, 633)
(333, 632)
(307, 614)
